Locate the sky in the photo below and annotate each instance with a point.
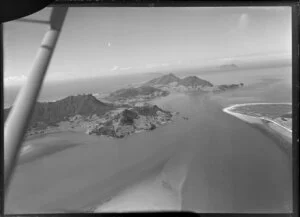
(103, 41)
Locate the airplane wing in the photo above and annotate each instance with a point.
(18, 119)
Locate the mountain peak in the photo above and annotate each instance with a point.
(194, 81)
(48, 113)
(164, 79)
(171, 74)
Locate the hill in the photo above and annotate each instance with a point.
(188, 84)
(84, 113)
(128, 121)
(194, 81)
(163, 80)
(50, 113)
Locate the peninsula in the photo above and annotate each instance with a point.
(275, 118)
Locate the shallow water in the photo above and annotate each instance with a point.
(235, 167)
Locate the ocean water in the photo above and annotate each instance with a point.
(234, 166)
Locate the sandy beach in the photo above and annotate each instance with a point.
(282, 133)
(259, 120)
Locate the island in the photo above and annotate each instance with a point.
(226, 67)
(188, 84)
(85, 113)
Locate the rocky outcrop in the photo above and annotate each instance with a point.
(128, 121)
(117, 122)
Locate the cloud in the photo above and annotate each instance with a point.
(115, 68)
(243, 21)
(240, 27)
(152, 65)
(11, 80)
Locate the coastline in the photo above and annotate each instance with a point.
(99, 125)
(168, 187)
(253, 119)
(157, 181)
(246, 118)
(282, 134)
(82, 130)
(32, 153)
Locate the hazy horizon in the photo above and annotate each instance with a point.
(115, 41)
(55, 90)
(199, 72)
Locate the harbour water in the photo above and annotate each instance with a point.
(234, 166)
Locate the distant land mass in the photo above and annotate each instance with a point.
(163, 80)
(171, 82)
(229, 67)
(119, 113)
(194, 81)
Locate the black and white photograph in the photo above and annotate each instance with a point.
(138, 109)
